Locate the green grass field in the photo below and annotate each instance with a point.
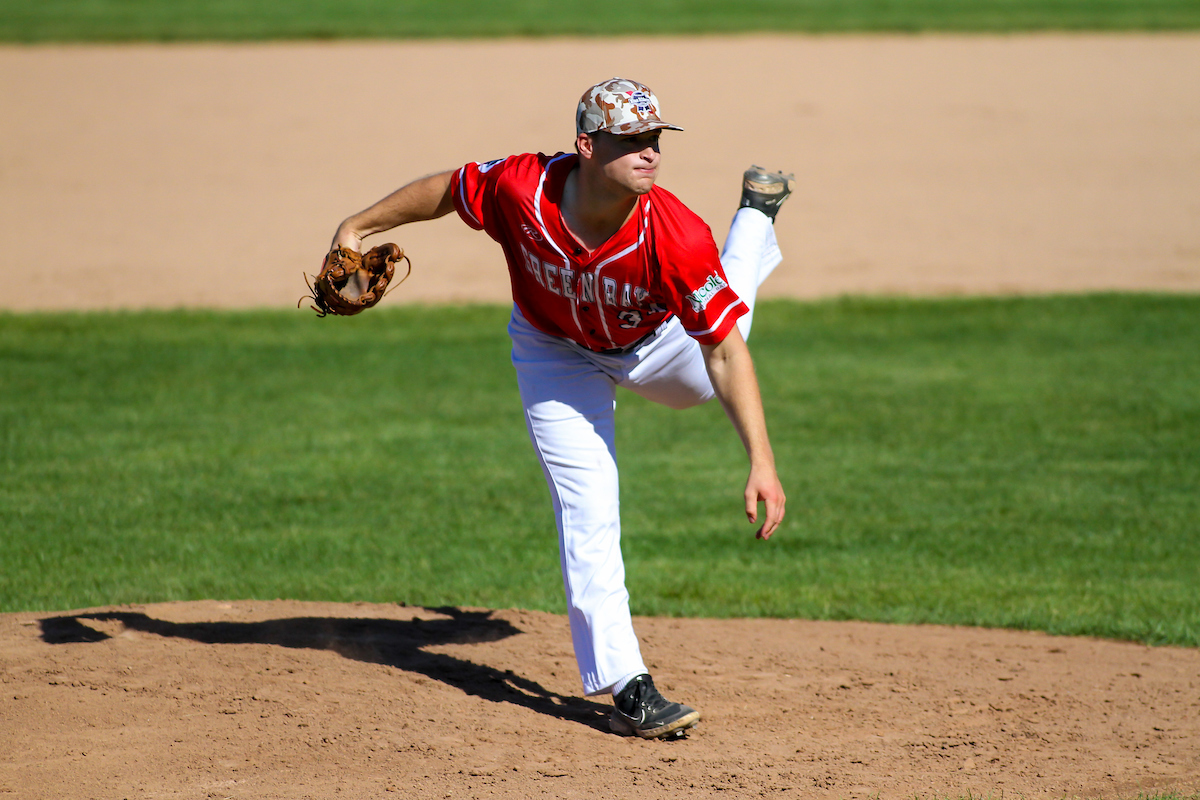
(1031, 463)
(174, 20)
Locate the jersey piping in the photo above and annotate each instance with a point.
(537, 211)
(636, 245)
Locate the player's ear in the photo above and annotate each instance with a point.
(584, 145)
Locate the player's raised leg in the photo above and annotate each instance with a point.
(751, 251)
(670, 369)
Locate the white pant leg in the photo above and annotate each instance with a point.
(750, 255)
(569, 401)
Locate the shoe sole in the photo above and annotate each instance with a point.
(675, 727)
(767, 188)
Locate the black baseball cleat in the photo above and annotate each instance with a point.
(639, 710)
(765, 190)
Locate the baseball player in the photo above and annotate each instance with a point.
(615, 283)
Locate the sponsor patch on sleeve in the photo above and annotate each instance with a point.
(700, 297)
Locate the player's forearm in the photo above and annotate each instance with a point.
(731, 370)
(732, 373)
(424, 199)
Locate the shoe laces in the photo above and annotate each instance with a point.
(646, 695)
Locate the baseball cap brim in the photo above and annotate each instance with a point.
(639, 126)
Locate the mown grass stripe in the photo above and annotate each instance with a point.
(251, 20)
(1029, 463)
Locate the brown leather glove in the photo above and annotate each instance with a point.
(349, 282)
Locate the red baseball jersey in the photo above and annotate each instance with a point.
(662, 261)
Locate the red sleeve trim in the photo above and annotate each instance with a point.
(724, 323)
(458, 194)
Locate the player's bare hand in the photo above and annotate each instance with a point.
(763, 486)
(346, 238)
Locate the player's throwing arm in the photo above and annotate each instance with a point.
(350, 281)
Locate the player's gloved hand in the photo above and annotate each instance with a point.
(350, 282)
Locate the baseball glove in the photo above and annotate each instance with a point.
(350, 282)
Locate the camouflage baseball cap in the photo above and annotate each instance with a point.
(619, 106)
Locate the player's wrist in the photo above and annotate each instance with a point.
(762, 462)
(348, 239)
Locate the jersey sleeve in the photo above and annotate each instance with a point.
(695, 283)
(473, 189)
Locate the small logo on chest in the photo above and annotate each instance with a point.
(531, 232)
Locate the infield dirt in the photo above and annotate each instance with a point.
(212, 176)
(215, 175)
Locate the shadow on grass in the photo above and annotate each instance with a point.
(396, 643)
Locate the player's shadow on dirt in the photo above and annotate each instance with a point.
(397, 643)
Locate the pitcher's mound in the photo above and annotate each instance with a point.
(287, 700)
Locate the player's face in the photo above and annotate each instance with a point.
(630, 162)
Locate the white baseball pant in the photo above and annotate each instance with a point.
(569, 395)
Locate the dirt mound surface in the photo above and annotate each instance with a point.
(289, 700)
